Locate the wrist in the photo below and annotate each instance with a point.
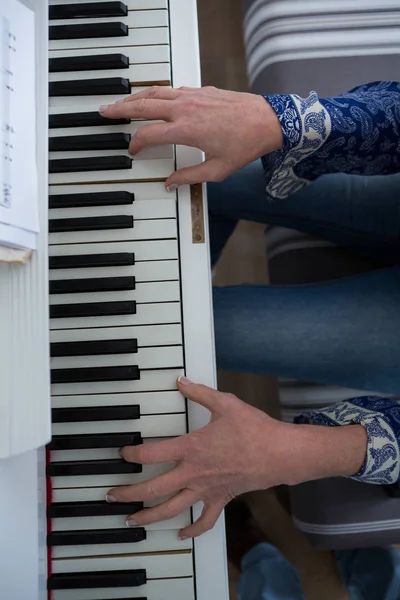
(275, 137)
(318, 452)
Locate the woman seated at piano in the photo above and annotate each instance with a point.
(330, 167)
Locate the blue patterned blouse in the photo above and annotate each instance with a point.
(359, 133)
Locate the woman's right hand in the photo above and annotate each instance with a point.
(232, 128)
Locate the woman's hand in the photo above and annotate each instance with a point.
(231, 128)
(233, 454)
(240, 450)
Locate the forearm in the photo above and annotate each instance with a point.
(318, 452)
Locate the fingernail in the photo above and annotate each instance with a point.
(131, 523)
(120, 452)
(103, 108)
(183, 380)
(172, 188)
(183, 537)
(119, 101)
(111, 499)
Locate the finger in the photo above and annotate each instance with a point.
(158, 92)
(163, 485)
(207, 520)
(210, 170)
(143, 108)
(156, 134)
(165, 511)
(155, 452)
(216, 402)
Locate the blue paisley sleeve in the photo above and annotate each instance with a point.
(357, 132)
(381, 419)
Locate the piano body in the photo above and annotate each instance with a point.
(130, 310)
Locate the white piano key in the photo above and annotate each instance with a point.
(146, 314)
(134, 19)
(140, 209)
(136, 54)
(150, 381)
(158, 589)
(74, 104)
(151, 403)
(89, 494)
(145, 36)
(112, 453)
(167, 270)
(151, 229)
(158, 335)
(91, 453)
(141, 170)
(154, 292)
(169, 357)
(144, 251)
(157, 566)
(130, 128)
(131, 4)
(150, 426)
(152, 190)
(142, 74)
(116, 522)
(102, 453)
(93, 130)
(110, 481)
(156, 541)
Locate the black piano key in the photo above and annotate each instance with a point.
(93, 348)
(94, 440)
(92, 467)
(95, 413)
(90, 87)
(87, 261)
(81, 143)
(88, 119)
(88, 30)
(93, 199)
(98, 508)
(91, 223)
(101, 284)
(96, 62)
(97, 579)
(83, 165)
(83, 10)
(93, 309)
(95, 374)
(97, 536)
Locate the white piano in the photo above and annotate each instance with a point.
(91, 348)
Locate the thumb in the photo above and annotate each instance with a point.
(210, 170)
(216, 402)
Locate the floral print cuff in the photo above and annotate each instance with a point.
(381, 419)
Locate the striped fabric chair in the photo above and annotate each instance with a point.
(331, 46)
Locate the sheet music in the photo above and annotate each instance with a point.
(18, 177)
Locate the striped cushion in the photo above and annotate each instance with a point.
(295, 46)
(296, 258)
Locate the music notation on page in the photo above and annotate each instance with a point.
(18, 176)
(8, 42)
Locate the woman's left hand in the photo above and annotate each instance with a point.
(241, 449)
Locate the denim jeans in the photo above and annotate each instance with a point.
(344, 332)
(369, 574)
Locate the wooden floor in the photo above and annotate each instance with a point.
(244, 261)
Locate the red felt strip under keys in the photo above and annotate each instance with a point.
(49, 497)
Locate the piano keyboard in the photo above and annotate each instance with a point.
(117, 341)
